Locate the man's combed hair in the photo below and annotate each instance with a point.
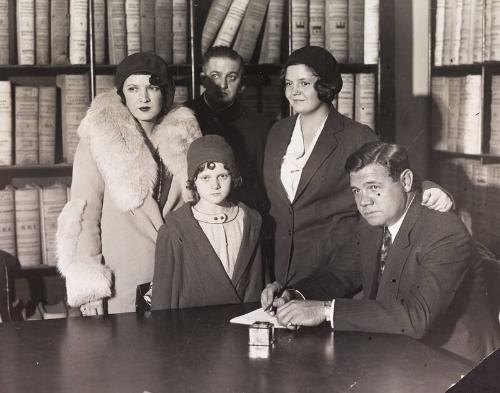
(224, 52)
(391, 156)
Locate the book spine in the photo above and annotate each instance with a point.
(26, 125)
(364, 110)
(6, 145)
(345, 104)
(477, 53)
(317, 23)
(336, 29)
(488, 5)
(4, 32)
(371, 35)
(59, 32)
(469, 130)
(163, 29)
(74, 104)
(356, 30)
(271, 42)
(148, 25)
(99, 16)
(495, 115)
(7, 220)
(27, 213)
(117, 34)
(232, 22)
(52, 201)
(216, 14)
(104, 83)
(449, 18)
(133, 23)
(439, 33)
(42, 25)
(300, 24)
(439, 112)
(181, 94)
(78, 31)
(26, 32)
(457, 27)
(495, 31)
(454, 91)
(46, 125)
(179, 28)
(467, 32)
(250, 29)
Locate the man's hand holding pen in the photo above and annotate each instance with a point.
(273, 296)
(282, 303)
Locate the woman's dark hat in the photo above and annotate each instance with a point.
(321, 61)
(146, 63)
(210, 148)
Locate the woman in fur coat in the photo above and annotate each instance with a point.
(129, 171)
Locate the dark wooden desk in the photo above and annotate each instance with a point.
(198, 350)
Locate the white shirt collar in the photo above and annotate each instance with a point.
(394, 228)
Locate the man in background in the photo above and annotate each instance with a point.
(219, 111)
(419, 270)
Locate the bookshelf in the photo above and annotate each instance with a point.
(465, 132)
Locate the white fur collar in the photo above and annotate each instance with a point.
(117, 146)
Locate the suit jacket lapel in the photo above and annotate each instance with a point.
(325, 145)
(371, 238)
(279, 153)
(247, 248)
(398, 253)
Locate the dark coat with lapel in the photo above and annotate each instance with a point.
(432, 287)
(311, 230)
(188, 272)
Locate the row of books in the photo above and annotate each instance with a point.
(57, 31)
(28, 222)
(347, 28)
(457, 114)
(467, 31)
(28, 123)
(476, 189)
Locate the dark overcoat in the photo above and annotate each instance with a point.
(188, 272)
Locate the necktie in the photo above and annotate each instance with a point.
(384, 250)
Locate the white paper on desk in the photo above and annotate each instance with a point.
(258, 315)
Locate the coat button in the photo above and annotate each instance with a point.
(289, 232)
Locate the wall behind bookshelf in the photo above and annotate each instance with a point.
(465, 130)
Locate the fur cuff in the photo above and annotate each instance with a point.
(86, 279)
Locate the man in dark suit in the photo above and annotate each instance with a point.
(219, 111)
(419, 269)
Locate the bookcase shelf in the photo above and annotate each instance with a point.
(465, 107)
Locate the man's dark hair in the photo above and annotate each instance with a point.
(391, 156)
(224, 52)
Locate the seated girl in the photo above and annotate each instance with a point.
(208, 251)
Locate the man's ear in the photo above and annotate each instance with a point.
(406, 179)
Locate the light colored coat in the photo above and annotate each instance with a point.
(107, 231)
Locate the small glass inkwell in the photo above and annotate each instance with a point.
(261, 334)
